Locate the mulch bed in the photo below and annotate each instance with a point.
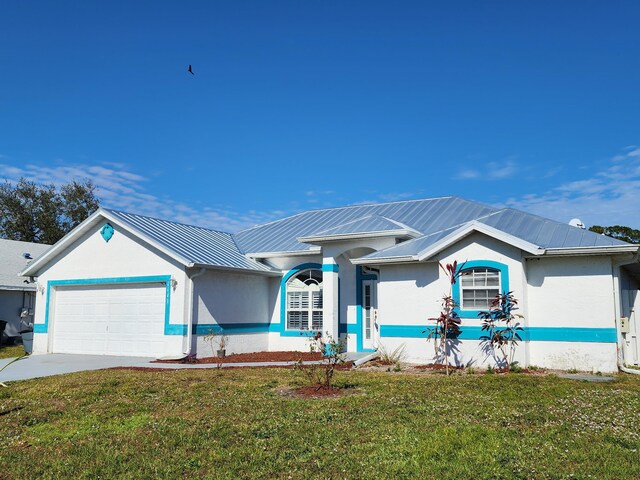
(436, 366)
(251, 357)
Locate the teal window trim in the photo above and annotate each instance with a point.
(283, 297)
(234, 328)
(455, 288)
(358, 326)
(529, 334)
(169, 329)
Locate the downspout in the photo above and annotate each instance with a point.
(190, 323)
(616, 304)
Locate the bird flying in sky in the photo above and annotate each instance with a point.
(190, 70)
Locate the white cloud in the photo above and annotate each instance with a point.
(121, 189)
(608, 197)
(491, 171)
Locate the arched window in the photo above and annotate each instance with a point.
(304, 300)
(479, 287)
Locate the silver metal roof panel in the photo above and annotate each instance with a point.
(201, 246)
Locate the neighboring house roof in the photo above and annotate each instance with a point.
(12, 262)
(190, 245)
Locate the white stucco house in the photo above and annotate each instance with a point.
(17, 297)
(125, 284)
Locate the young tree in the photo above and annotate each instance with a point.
(43, 213)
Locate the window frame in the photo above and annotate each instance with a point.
(311, 294)
(456, 291)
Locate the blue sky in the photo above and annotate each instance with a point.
(298, 105)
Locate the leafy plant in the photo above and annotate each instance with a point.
(503, 330)
(321, 374)
(448, 322)
(11, 362)
(391, 357)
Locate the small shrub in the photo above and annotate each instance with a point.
(515, 367)
(490, 370)
(572, 370)
(503, 330)
(534, 368)
(321, 374)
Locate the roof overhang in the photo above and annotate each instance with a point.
(290, 253)
(577, 251)
(399, 233)
(454, 237)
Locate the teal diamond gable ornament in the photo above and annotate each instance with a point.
(106, 232)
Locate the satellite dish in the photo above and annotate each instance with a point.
(576, 222)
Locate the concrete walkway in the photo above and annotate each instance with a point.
(36, 366)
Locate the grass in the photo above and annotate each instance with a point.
(229, 424)
(11, 351)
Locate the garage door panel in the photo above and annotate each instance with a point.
(123, 319)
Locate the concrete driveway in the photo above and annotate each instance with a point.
(35, 366)
(46, 365)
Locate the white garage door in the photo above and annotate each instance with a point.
(110, 319)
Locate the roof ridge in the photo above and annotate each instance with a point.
(350, 206)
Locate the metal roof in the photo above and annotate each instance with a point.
(365, 225)
(434, 219)
(425, 216)
(199, 246)
(12, 262)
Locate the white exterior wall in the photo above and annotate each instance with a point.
(123, 256)
(571, 292)
(233, 298)
(411, 294)
(552, 292)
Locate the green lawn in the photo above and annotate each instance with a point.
(11, 351)
(234, 424)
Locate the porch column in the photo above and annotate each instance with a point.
(330, 294)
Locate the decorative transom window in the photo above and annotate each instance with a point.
(479, 287)
(304, 300)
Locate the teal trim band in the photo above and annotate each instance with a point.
(533, 334)
(358, 327)
(455, 288)
(330, 267)
(166, 279)
(233, 328)
(283, 301)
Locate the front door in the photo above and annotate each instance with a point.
(369, 306)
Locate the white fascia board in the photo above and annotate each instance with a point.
(359, 235)
(610, 250)
(15, 288)
(292, 253)
(270, 273)
(472, 227)
(380, 260)
(83, 227)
